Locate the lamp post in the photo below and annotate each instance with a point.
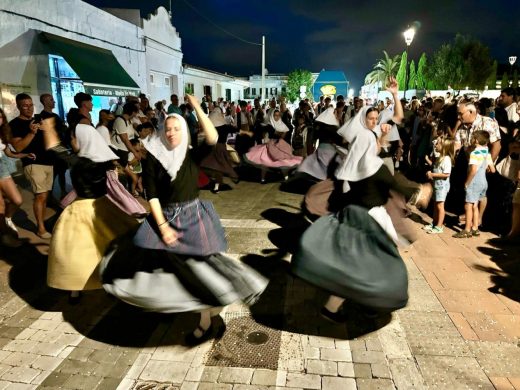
(512, 60)
(408, 38)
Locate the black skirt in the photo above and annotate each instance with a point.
(351, 256)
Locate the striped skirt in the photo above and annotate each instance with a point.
(200, 232)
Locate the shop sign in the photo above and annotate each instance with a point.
(101, 90)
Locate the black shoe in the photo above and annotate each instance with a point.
(213, 332)
(236, 181)
(338, 317)
(214, 191)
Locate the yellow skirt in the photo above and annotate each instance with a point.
(79, 240)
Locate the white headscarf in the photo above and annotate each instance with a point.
(92, 145)
(362, 160)
(384, 117)
(170, 158)
(278, 125)
(217, 118)
(328, 117)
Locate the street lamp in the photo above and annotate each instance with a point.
(512, 60)
(408, 38)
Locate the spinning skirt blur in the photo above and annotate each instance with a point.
(196, 222)
(351, 256)
(190, 276)
(260, 157)
(219, 160)
(317, 163)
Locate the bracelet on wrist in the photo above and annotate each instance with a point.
(163, 223)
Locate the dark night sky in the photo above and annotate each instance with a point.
(325, 34)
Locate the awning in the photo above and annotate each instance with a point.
(101, 73)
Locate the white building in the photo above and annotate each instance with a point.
(163, 52)
(200, 82)
(66, 47)
(275, 86)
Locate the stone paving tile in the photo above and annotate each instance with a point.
(463, 326)
(164, 371)
(498, 359)
(321, 367)
(362, 370)
(453, 372)
(374, 384)
(501, 383)
(236, 375)
(471, 301)
(305, 381)
(269, 378)
(432, 334)
(330, 383)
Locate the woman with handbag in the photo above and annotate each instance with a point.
(174, 263)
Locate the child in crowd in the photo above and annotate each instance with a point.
(135, 169)
(444, 159)
(476, 183)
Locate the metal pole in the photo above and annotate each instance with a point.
(406, 72)
(263, 70)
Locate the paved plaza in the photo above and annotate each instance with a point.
(460, 330)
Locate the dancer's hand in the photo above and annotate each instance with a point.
(385, 129)
(168, 234)
(392, 86)
(192, 100)
(47, 125)
(429, 175)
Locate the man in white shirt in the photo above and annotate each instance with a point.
(507, 101)
(124, 132)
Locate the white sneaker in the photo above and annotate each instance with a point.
(9, 222)
(10, 241)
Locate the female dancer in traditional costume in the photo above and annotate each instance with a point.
(275, 153)
(353, 252)
(319, 165)
(219, 163)
(174, 262)
(90, 223)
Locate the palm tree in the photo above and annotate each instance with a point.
(384, 68)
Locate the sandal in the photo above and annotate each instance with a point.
(207, 334)
(462, 234)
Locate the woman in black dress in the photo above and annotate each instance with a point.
(219, 163)
(175, 262)
(353, 252)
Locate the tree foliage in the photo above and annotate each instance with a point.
(463, 62)
(295, 80)
(421, 70)
(401, 73)
(446, 68)
(492, 80)
(383, 69)
(505, 81)
(412, 82)
(515, 79)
